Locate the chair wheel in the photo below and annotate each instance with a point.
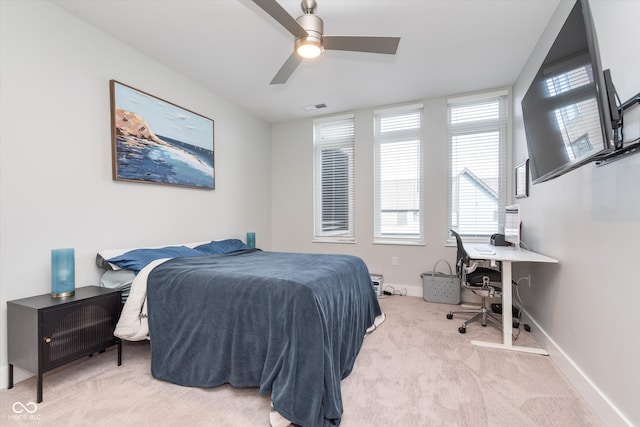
(516, 325)
(450, 316)
(462, 330)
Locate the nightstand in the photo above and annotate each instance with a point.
(45, 332)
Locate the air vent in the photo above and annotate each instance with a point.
(314, 107)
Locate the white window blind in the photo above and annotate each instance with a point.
(334, 146)
(398, 173)
(477, 165)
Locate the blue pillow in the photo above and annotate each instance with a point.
(222, 246)
(137, 259)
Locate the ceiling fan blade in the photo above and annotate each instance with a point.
(287, 69)
(371, 44)
(273, 8)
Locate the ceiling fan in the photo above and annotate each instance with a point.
(310, 40)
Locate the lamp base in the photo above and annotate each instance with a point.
(63, 294)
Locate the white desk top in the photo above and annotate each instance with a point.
(504, 253)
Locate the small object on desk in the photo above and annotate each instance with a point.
(498, 240)
(512, 225)
(485, 250)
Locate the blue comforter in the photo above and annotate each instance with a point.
(290, 324)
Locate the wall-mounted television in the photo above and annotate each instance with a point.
(566, 110)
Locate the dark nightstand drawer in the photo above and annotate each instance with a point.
(45, 332)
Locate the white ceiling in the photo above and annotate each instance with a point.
(233, 48)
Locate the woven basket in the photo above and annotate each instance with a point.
(441, 287)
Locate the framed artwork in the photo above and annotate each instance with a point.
(522, 180)
(155, 141)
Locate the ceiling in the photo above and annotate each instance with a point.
(233, 48)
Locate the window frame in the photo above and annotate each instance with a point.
(399, 136)
(346, 142)
(503, 126)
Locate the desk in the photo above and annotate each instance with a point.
(506, 255)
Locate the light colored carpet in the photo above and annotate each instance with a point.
(415, 370)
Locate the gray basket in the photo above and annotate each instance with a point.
(441, 287)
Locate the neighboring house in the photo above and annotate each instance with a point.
(477, 211)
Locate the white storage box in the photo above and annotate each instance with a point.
(377, 280)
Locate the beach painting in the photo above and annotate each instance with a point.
(155, 141)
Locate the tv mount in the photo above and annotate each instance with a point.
(622, 150)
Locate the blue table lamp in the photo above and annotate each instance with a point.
(63, 275)
(251, 239)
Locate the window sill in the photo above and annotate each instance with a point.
(399, 242)
(482, 240)
(332, 240)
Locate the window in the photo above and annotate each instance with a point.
(477, 164)
(398, 175)
(334, 141)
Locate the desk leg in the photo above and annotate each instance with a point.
(507, 318)
(507, 303)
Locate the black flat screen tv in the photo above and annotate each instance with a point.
(566, 110)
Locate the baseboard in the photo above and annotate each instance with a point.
(608, 413)
(411, 291)
(417, 291)
(4, 377)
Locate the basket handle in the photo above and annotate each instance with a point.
(433, 273)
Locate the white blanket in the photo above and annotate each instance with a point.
(133, 324)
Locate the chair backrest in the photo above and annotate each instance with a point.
(462, 257)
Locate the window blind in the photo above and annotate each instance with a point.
(477, 181)
(398, 175)
(334, 146)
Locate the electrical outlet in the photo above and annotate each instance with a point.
(394, 260)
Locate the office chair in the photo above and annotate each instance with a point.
(479, 280)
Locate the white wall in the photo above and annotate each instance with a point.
(292, 198)
(589, 219)
(55, 156)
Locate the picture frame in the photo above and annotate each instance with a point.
(157, 142)
(522, 180)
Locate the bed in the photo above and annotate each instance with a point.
(290, 324)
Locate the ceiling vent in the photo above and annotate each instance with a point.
(314, 107)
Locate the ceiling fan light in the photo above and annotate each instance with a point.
(309, 47)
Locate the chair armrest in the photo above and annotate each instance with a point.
(471, 268)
